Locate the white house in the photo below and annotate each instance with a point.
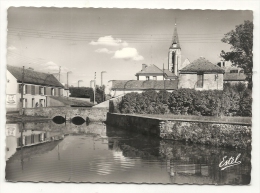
(37, 86)
(201, 75)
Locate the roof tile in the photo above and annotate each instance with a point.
(202, 65)
(34, 77)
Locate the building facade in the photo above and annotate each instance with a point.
(201, 75)
(233, 74)
(37, 87)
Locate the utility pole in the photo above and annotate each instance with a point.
(103, 94)
(94, 88)
(68, 83)
(21, 100)
(163, 82)
(59, 72)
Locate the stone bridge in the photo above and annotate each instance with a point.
(93, 114)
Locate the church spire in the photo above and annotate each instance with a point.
(175, 38)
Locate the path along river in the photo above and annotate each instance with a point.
(100, 153)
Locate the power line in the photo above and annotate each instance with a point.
(132, 41)
(23, 29)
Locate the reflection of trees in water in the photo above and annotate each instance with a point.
(190, 162)
(185, 163)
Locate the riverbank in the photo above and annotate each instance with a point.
(16, 118)
(216, 131)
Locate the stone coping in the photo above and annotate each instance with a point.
(188, 119)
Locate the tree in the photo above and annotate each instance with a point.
(241, 54)
(99, 94)
(81, 92)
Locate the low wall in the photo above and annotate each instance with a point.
(211, 133)
(94, 114)
(139, 124)
(51, 102)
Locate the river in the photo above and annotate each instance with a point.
(100, 153)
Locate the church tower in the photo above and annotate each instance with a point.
(174, 56)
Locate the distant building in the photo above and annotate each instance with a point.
(37, 86)
(152, 72)
(201, 75)
(232, 74)
(120, 87)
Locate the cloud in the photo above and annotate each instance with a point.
(128, 54)
(104, 50)
(109, 41)
(53, 67)
(12, 48)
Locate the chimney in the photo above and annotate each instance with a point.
(144, 66)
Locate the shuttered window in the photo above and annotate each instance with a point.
(32, 89)
(37, 90)
(199, 80)
(48, 91)
(19, 88)
(56, 92)
(29, 90)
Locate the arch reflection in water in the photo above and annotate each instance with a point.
(59, 120)
(77, 120)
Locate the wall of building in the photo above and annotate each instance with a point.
(217, 133)
(209, 83)
(177, 60)
(150, 77)
(12, 99)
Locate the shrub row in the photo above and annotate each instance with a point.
(234, 100)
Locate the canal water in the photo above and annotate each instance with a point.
(50, 152)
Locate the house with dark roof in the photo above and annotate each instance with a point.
(152, 72)
(201, 74)
(233, 74)
(120, 87)
(37, 87)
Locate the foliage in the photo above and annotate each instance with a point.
(99, 94)
(241, 54)
(81, 92)
(87, 92)
(234, 100)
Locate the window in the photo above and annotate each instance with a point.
(233, 71)
(200, 78)
(52, 91)
(147, 78)
(24, 89)
(155, 77)
(41, 91)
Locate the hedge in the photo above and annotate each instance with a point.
(234, 100)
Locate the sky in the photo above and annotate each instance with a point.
(118, 41)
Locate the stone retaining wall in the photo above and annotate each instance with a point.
(211, 133)
(139, 124)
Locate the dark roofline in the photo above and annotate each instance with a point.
(34, 77)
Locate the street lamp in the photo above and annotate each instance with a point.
(79, 81)
(68, 82)
(93, 89)
(102, 85)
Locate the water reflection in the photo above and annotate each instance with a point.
(77, 120)
(100, 153)
(59, 120)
